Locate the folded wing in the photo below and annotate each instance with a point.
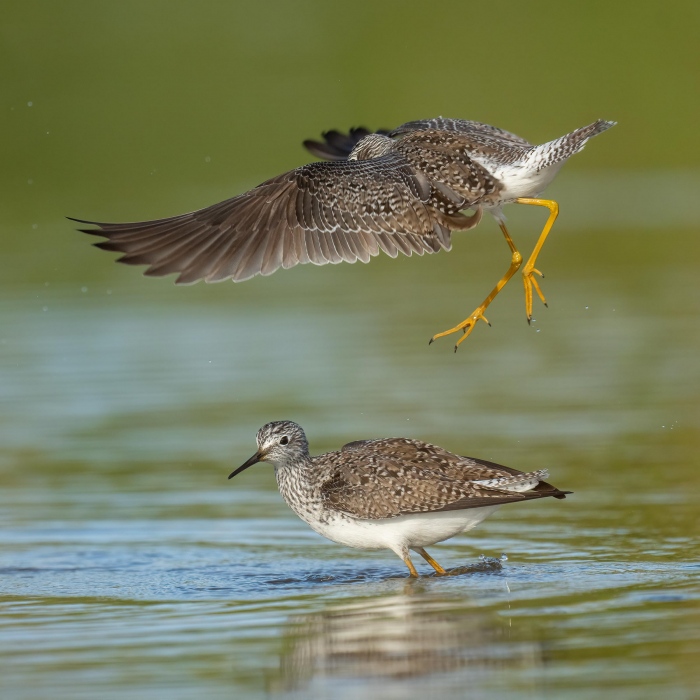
(410, 476)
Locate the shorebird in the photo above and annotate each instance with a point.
(397, 493)
(404, 191)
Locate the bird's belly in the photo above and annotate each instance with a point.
(522, 180)
(416, 530)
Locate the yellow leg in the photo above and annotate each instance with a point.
(438, 569)
(529, 270)
(467, 326)
(407, 560)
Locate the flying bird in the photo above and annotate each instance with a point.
(395, 493)
(403, 191)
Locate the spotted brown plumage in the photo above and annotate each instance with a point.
(394, 493)
(399, 476)
(326, 212)
(404, 191)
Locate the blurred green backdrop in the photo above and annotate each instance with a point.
(133, 110)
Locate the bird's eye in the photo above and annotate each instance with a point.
(284, 440)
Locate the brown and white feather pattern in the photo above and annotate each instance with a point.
(387, 478)
(394, 493)
(399, 192)
(327, 212)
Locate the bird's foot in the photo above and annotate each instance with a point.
(467, 326)
(531, 283)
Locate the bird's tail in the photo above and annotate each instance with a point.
(566, 146)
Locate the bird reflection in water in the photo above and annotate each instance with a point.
(405, 645)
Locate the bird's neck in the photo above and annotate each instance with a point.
(297, 481)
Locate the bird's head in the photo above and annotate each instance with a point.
(279, 443)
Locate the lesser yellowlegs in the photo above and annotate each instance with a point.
(400, 191)
(397, 493)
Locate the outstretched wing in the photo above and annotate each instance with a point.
(319, 213)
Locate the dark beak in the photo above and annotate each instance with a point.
(253, 460)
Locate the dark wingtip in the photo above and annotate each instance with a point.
(105, 245)
(93, 231)
(82, 221)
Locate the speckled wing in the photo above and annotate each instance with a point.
(438, 149)
(386, 478)
(476, 130)
(326, 212)
(337, 145)
(444, 158)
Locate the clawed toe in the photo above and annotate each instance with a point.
(531, 283)
(467, 326)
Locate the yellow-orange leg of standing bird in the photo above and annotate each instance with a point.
(438, 569)
(467, 326)
(409, 564)
(529, 270)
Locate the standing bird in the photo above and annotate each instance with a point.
(397, 493)
(399, 191)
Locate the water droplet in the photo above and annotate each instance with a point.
(83, 289)
(504, 557)
(30, 181)
(29, 104)
(35, 226)
(207, 159)
(586, 308)
(44, 308)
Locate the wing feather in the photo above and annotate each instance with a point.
(321, 213)
(387, 478)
